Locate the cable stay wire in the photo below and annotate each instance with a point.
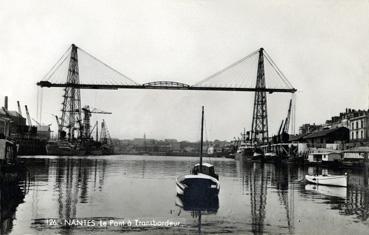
(107, 66)
(56, 66)
(279, 72)
(226, 68)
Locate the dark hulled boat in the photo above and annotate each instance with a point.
(203, 181)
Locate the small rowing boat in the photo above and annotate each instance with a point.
(332, 180)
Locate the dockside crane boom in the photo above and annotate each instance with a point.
(39, 124)
(280, 128)
(287, 122)
(97, 130)
(19, 108)
(58, 123)
(28, 116)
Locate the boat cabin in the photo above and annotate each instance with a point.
(324, 157)
(207, 169)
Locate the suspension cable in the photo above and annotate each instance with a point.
(107, 66)
(56, 66)
(279, 72)
(227, 68)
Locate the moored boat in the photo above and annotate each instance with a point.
(244, 152)
(199, 182)
(332, 180)
(62, 148)
(203, 181)
(258, 155)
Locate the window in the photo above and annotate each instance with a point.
(362, 134)
(357, 134)
(352, 126)
(362, 123)
(357, 124)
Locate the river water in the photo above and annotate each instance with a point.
(137, 195)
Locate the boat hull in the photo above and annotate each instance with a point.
(62, 150)
(244, 154)
(197, 185)
(331, 180)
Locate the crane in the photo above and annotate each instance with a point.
(19, 108)
(280, 131)
(287, 121)
(58, 124)
(87, 111)
(105, 135)
(28, 118)
(38, 124)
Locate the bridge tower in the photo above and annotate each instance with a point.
(71, 110)
(259, 128)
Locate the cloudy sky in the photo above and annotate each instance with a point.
(321, 46)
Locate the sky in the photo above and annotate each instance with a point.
(321, 47)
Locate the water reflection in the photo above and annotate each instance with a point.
(72, 178)
(12, 193)
(350, 201)
(198, 206)
(286, 179)
(257, 179)
(254, 198)
(331, 191)
(357, 203)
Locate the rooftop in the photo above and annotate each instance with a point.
(323, 132)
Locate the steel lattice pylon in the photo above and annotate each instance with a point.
(71, 110)
(259, 128)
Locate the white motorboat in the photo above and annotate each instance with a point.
(333, 180)
(202, 181)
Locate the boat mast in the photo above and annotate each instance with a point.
(202, 137)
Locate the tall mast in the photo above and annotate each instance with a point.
(202, 137)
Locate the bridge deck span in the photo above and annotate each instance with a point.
(162, 87)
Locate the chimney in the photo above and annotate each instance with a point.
(6, 103)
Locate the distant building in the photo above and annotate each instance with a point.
(359, 128)
(356, 121)
(17, 122)
(4, 127)
(327, 136)
(309, 128)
